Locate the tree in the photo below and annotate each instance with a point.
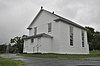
(90, 35)
(93, 38)
(96, 41)
(18, 46)
(3, 48)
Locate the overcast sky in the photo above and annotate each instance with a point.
(16, 15)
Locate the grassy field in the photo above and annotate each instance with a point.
(96, 52)
(67, 56)
(9, 62)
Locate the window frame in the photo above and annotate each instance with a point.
(50, 27)
(32, 40)
(35, 30)
(82, 33)
(71, 35)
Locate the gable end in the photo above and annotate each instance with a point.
(29, 27)
(59, 19)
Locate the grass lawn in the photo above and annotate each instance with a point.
(10, 62)
(67, 56)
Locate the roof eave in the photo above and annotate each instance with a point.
(39, 35)
(29, 28)
(34, 18)
(69, 22)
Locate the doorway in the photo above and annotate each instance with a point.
(37, 45)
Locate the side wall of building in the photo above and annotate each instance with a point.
(77, 48)
(28, 47)
(46, 45)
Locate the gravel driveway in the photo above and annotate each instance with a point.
(31, 61)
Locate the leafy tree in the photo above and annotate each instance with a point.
(18, 46)
(3, 48)
(96, 41)
(93, 38)
(90, 35)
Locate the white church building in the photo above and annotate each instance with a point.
(51, 33)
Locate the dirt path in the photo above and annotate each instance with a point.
(31, 61)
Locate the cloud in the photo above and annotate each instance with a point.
(16, 15)
(84, 12)
(88, 14)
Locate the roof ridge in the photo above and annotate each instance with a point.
(65, 19)
(35, 18)
(56, 15)
(59, 18)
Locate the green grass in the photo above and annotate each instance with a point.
(67, 56)
(10, 62)
(96, 52)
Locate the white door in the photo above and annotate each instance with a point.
(38, 44)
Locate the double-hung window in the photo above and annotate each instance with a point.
(82, 38)
(32, 40)
(49, 27)
(35, 30)
(71, 36)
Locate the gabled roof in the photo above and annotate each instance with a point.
(39, 35)
(34, 19)
(69, 22)
(58, 19)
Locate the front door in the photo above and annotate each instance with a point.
(37, 45)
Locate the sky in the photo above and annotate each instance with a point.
(16, 15)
